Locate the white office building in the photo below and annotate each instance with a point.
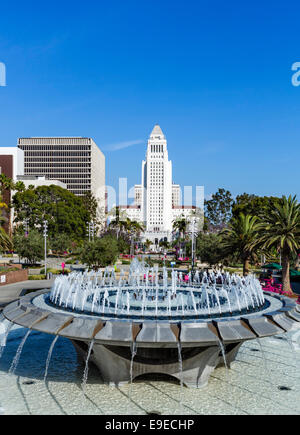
(157, 200)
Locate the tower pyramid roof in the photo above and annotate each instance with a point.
(157, 131)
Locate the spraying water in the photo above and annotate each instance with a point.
(86, 368)
(146, 293)
(49, 357)
(15, 361)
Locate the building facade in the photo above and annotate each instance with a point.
(157, 199)
(37, 181)
(12, 162)
(76, 161)
(11, 165)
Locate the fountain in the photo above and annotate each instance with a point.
(148, 321)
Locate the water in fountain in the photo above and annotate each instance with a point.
(222, 348)
(15, 361)
(144, 293)
(133, 353)
(49, 357)
(181, 374)
(5, 327)
(86, 368)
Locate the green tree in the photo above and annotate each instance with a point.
(123, 244)
(208, 248)
(218, 209)
(100, 252)
(239, 238)
(180, 226)
(164, 244)
(60, 244)
(90, 203)
(281, 230)
(63, 210)
(119, 221)
(253, 205)
(134, 229)
(96, 214)
(19, 186)
(29, 247)
(147, 244)
(6, 183)
(5, 241)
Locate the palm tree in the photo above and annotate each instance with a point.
(164, 244)
(120, 221)
(180, 225)
(147, 244)
(5, 241)
(239, 238)
(280, 229)
(134, 229)
(6, 183)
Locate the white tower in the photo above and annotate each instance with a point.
(157, 187)
(157, 200)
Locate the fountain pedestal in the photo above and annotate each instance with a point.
(114, 363)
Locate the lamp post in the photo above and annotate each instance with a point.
(26, 226)
(93, 230)
(132, 245)
(193, 247)
(45, 243)
(90, 230)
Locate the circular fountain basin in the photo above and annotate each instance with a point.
(202, 342)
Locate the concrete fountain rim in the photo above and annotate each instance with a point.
(154, 333)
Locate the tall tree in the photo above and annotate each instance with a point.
(218, 209)
(95, 212)
(280, 229)
(180, 225)
(253, 204)
(63, 210)
(119, 220)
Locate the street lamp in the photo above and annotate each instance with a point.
(26, 226)
(193, 247)
(45, 243)
(93, 230)
(90, 230)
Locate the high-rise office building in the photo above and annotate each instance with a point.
(76, 161)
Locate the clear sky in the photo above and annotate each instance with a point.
(216, 76)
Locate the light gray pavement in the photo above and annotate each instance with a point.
(11, 292)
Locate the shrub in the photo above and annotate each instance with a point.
(100, 252)
(55, 271)
(36, 277)
(125, 262)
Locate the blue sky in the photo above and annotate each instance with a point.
(215, 75)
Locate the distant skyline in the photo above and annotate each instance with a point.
(216, 77)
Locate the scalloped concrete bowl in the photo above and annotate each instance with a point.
(201, 343)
